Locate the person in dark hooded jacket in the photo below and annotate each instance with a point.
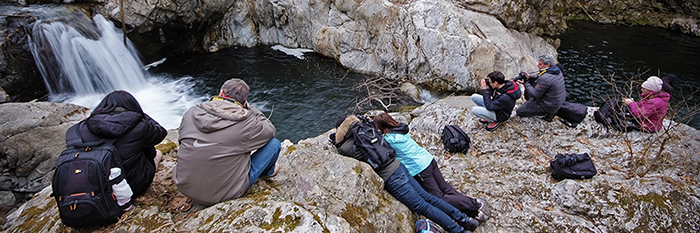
(667, 85)
(120, 116)
(497, 101)
(545, 91)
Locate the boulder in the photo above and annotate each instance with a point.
(32, 135)
(4, 97)
(646, 182)
(305, 196)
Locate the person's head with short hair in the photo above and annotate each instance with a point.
(653, 84)
(545, 61)
(235, 89)
(497, 77)
(384, 122)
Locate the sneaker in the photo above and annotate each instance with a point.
(484, 210)
(469, 224)
(483, 121)
(493, 125)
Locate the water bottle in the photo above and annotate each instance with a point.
(122, 190)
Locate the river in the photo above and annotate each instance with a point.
(596, 55)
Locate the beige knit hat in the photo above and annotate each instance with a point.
(653, 83)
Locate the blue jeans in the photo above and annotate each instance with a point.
(480, 111)
(263, 160)
(407, 190)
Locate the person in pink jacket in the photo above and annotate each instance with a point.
(650, 111)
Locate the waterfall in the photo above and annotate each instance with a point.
(83, 59)
(70, 62)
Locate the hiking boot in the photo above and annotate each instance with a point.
(482, 121)
(548, 117)
(484, 211)
(493, 125)
(468, 223)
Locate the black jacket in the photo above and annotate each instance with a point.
(502, 100)
(138, 134)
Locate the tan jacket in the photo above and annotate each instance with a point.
(216, 141)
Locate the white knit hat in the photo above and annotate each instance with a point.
(653, 83)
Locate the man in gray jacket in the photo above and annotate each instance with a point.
(544, 91)
(217, 138)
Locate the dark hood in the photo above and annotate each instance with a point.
(113, 124)
(511, 89)
(401, 129)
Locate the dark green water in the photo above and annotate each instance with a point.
(593, 53)
(305, 96)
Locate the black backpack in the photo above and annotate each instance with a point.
(615, 114)
(572, 166)
(371, 146)
(572, 113)
(454, 139)
(81, 184)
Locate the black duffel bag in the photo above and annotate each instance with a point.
(572, 113)
(572, 166)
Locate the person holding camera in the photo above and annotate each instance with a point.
(545, 91)
(651, 109)
(497, 100)
(216, 161)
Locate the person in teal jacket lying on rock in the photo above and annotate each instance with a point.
(424, 169)
(401, 186)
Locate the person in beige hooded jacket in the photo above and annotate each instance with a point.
(217, 139)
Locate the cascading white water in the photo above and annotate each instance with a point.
(81, 62)
(84, 65)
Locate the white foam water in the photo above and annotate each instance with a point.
(82, 64)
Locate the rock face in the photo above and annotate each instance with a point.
(442, 44)
(429, 42)
(637, 189)
(19, 76)
(32, 135)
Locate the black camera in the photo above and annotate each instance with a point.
(365, 118)
(487, 81)
(522, 76)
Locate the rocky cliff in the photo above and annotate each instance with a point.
(443, 44)
(643, 185)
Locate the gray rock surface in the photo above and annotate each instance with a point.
(428, 42)
(4, 97)
(32, 135)
(637, 189)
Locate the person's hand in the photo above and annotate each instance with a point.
(627, 101)
(520, 81)
(483, 84)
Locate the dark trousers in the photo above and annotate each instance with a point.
(409, 192)
(432, 181)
